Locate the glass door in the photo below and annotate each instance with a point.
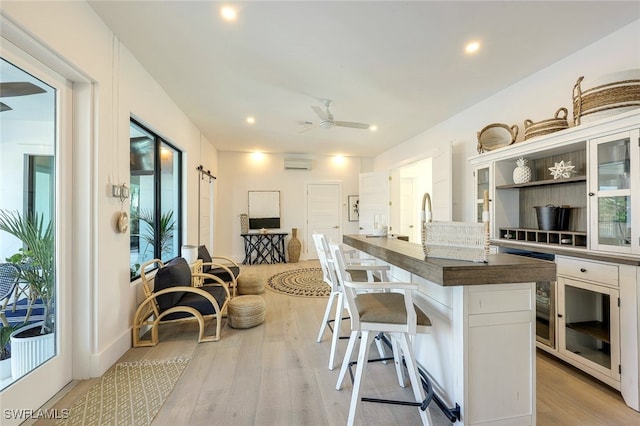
(482, 184)
(611, 189)
(35, 170)
(588, 317)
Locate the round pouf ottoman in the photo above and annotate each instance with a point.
(246, 311)
(250, 284)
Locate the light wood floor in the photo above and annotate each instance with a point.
(276, 374)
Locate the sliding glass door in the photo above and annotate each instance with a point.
(35, 164)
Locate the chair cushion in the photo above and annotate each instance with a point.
(386, 308)
(203, 254)
(222, 273)
(174, 273)
(198, 302)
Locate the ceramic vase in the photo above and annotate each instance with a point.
(244, 223)
(294, 246)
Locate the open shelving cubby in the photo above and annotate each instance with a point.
(564, 238)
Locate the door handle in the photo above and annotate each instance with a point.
(336, 227)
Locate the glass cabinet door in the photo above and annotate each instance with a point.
(588, 325)
(482, 184)
(614, 169)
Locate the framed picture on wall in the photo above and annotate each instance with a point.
(353, 202)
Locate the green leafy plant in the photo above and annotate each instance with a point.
(5, 338)
(166, 227)
(35, 258)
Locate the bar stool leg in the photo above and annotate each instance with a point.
(325, 318)
(397, 359)
(412, 369)
(363, 356)
(336, 329)
(353, 338)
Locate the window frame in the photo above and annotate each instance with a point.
(158, 142)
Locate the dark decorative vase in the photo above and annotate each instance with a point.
(294, 246)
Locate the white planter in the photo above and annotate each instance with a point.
(190, 253)
(5, 368)
(27, 353)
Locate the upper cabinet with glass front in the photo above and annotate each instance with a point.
(613, 192)
(599, 196)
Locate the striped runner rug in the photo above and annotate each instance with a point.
(129, 394)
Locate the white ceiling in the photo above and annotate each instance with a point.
(398, 65)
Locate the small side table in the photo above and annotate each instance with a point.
(264, 248)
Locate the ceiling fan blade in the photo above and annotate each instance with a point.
(322, 114)
(352, 124)
(19, 88)
(306, 126)
(4, 107)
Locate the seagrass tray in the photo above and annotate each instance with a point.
(455, 240)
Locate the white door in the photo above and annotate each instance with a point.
(38, 126)
(374, 199)
(324, 214)
(409, 210)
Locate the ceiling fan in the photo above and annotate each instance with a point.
(17, 88)
(327, 121)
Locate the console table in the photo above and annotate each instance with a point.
(264, 248)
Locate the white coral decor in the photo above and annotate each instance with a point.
(562, 170)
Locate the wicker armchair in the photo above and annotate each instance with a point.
(171, 298)
(229, 271)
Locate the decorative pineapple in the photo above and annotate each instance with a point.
(522, 173)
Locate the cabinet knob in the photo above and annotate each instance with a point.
(591, 194)
(559, 315)
(583, 270)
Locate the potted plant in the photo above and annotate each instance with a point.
(36, 263)
(5, 352)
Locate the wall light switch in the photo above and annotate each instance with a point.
(124, 192)
(116, 191)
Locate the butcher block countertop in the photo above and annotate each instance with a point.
(500, 268)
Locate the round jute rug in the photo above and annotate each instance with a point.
(305, 282)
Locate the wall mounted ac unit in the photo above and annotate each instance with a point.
(297, 164)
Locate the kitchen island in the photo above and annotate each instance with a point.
(481, 351)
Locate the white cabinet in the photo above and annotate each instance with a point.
(588, 317)
(600, 191)
(614, 182)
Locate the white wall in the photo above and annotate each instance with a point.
(239, 173)
(117, 87)
(536, 98)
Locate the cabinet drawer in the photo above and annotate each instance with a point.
(604, 273)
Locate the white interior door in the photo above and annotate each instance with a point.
(324, 214)
(205, 211)
(374, 199)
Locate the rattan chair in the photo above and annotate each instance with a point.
(172, 298)
(391, 312)
(9, 276)
(229, 271)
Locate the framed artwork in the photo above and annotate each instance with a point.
(353, 202)
(264, 209)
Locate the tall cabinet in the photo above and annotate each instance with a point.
(590, 175)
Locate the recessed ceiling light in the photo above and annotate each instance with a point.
(373, 128)
(228, 13)
(251, 120)
(472, 47)
(257, 156)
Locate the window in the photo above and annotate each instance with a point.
(155, 198)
